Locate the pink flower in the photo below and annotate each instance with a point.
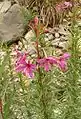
(34, 23)
(66, 56)
(62, 6)
(29, 69)
(21, 57)
(67, 4)
(62, 61)
(62, 64)
(46, 63)
(24, 66)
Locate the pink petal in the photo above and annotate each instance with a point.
(20, 68)
(47, 67)
(28, 72)
(68, 4)
(31, 74)
(52, 60)
(66, 56)
(62, 65)
(41, 61)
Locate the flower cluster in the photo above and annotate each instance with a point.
(63, 6)
(46, 63)
(24, 66)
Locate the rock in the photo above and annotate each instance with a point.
(31, 50)
(11, 26)
(62, 38)
(4, 6)
(63, 45)
(58, 51)
(58, 42)
(62, 30)
(55, 42)
(57, 35)
(29, 36)
(49, 37)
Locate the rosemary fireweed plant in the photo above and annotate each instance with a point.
(42, 67)
(55, 89)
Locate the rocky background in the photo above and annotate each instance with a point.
(12, 28)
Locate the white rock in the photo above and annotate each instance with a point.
(64, 38)
(29, 36)
(61, 30)
(64, 45)
(48, 37)
(57, 35)
(31, 49)
(56, 42)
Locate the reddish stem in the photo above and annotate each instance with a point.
(37, 42)
(38, 57)
(1, 108)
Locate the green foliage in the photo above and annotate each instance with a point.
(28, 15)
(50, 95)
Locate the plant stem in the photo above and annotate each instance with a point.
(28, 112)
(40, 81)
(1, 109)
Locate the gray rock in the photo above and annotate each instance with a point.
(11, 25)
